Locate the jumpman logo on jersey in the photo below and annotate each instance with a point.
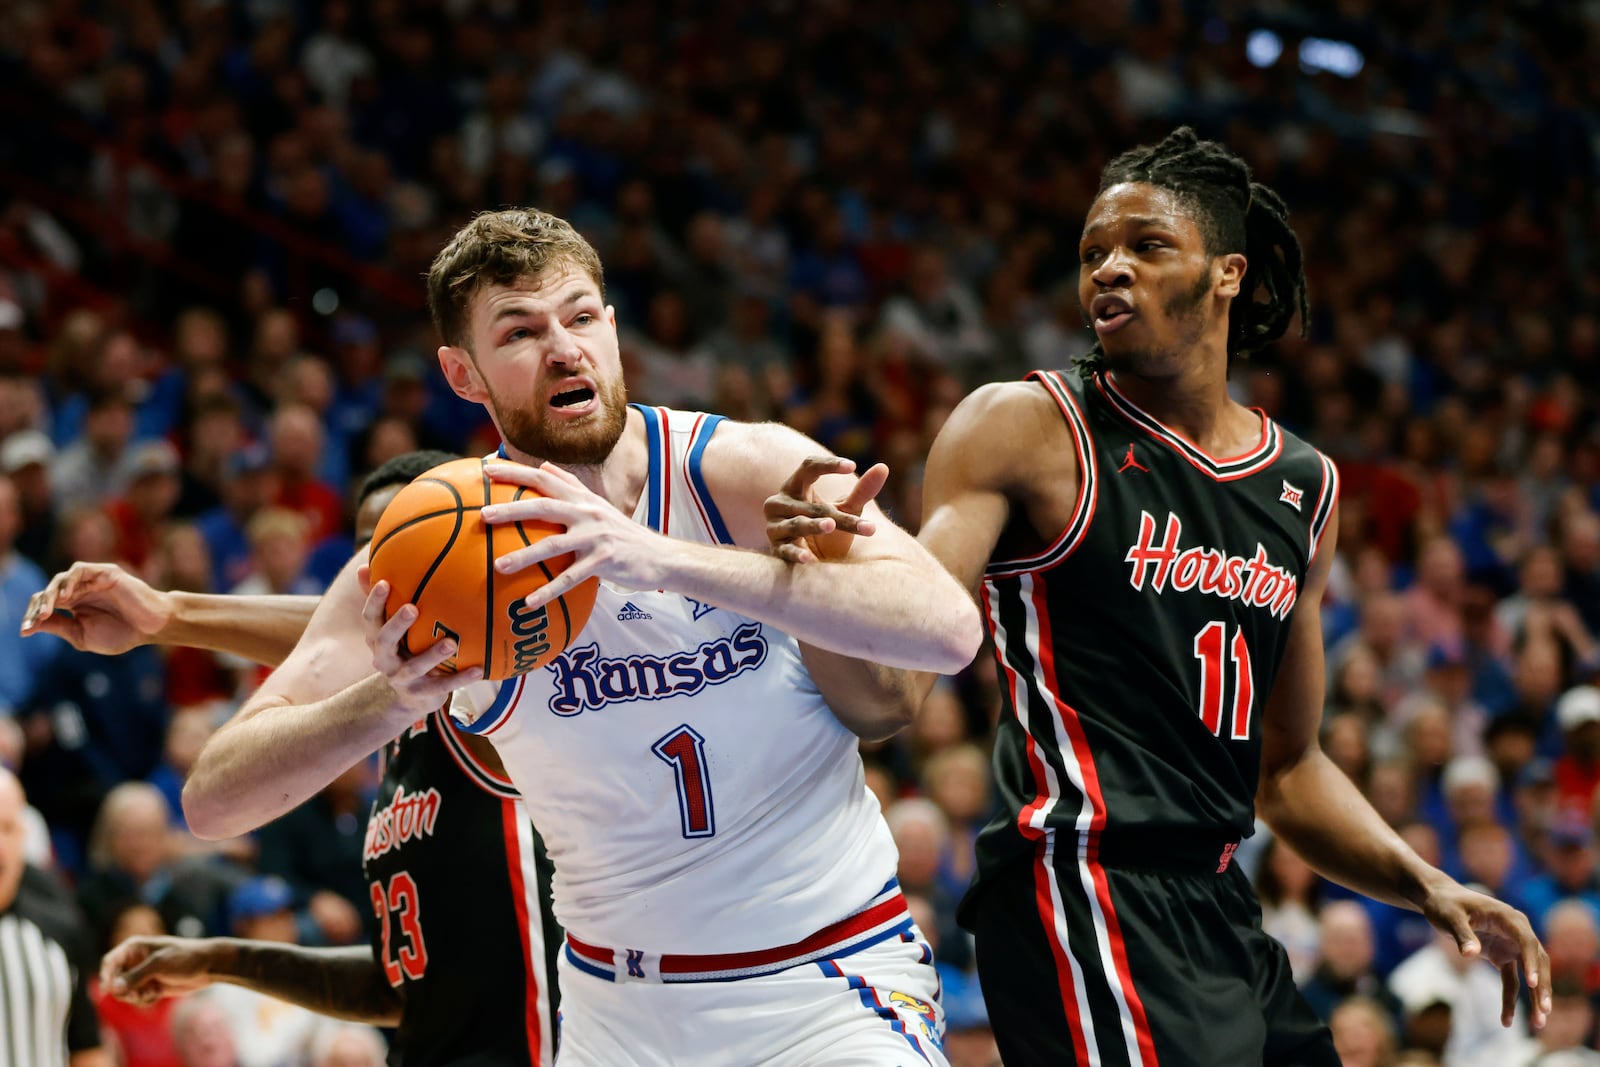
(1128, 461)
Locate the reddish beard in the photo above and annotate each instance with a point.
(584, 443)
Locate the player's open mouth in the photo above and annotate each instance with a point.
(1111, 313)
(578, 396)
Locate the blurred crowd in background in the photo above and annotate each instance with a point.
(215, 216)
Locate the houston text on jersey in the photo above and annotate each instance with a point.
(1254, 581)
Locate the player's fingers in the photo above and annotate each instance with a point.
(794, 553)
(788, 530)
(530, 509)
(1536, 969)
(1508, 993)
(1460, 926)
(364, 576)
(390, 633)
(866, 489)
(560, 585)
(117, 961)
(40, 605)
(373, 610)
(545, 548)
(418, 666)
(813, 467)
(548, 482)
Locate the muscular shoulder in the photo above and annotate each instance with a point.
(999, 432)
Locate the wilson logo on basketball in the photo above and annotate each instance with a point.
(530, 628)
(407, 817)
(585, 682)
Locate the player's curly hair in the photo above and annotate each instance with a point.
(499, 248)
(1234, 214)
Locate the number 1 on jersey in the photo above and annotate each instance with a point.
(686, 751)
(1208, 648)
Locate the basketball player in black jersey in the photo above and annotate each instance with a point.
(1151, 556)
(464, 960)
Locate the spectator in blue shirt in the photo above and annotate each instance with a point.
(22, 663)
(1572, 870)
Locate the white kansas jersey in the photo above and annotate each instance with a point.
(695, 793)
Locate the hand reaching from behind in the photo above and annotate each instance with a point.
(142, 970)
(98, 607)
(803, 529)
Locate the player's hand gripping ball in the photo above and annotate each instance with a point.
(435, 551)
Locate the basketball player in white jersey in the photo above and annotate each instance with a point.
(725, 878)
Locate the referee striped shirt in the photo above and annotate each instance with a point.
(45, 1012)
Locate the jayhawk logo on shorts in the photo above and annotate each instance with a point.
(927, 1018)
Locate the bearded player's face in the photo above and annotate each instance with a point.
(545, 362)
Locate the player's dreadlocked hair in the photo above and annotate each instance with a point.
(1234, 214)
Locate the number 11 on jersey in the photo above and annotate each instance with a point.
(686, 751)
(1209, 644)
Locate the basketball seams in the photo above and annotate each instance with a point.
(430, 558)
(488, 599)
(438, 559)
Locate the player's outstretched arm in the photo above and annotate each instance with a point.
(1315, 808)
(888, 601)
(345, 983)
(966, 481)
(343, 693)
(99, 607)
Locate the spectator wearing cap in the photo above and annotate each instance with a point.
(246, 489)
(141, 513)
(1578, 769)
(22, 662)
(267, 1032)
(1570, 869)
(25, 458)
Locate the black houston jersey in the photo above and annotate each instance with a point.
(1136, 651)
(461, 887)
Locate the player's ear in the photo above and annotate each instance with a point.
(1229, 272)
(461, 371)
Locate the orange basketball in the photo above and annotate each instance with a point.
(435, 551)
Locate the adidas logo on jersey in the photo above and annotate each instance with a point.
(630, 613)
